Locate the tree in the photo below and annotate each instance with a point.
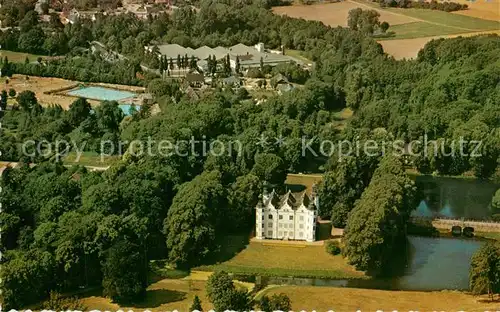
(27, 278)
(223, 294)
(192, 62)
(376, 228)
(6, 68)
(384, 26)
(270, 168)
(363, 20)
(277, 302)
(78, 111)
(3, 100)
(27, 100)
(124, 274)
(196, 306)
(495, 202)
(484, 275)
(192, 223)
(12, 92)
(237, 68)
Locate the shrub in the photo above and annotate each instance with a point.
(59, 303)
(496, 217)
(332, 247)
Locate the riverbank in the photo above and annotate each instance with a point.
(468, 176)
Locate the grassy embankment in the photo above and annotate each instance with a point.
(268, 259)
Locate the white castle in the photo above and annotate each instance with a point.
(291, 216)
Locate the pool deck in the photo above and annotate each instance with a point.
(49, 91)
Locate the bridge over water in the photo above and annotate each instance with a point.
(445, 223)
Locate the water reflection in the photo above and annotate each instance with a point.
(454, 198)
(433, 264)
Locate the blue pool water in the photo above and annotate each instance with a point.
(126, 108)
(102, 94)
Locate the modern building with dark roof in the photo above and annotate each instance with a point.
(291, 216)
(248, 56)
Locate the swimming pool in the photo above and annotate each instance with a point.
(126, 108)
(101, 94)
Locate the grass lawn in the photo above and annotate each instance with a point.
(19, 57)
(307, 180)
(420, 29)
(449, 19)
(490, 235)
(298, 55)
(342, 117)
(351, 299)
(164, 295)
(270, 259)
(262, 93)
(92, 159)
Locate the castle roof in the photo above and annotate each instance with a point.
(293, 200)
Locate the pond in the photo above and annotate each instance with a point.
(433, 264)
(454, 198)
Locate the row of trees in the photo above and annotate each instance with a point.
(447, 6)
(375, 233)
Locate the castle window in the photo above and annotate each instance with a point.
(301, 234)
(270, 217)
(270, 233)
(281, 217)
(301, 226)
(270, 224)
(291, 218)
(301, 218)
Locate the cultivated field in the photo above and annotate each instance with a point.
(335, 14)
(408, 48)
(42, 86)
(413, 28)
(273, 259)
(489, 10)
(350, 299)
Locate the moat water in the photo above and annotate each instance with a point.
(454, 198)
(431, 263)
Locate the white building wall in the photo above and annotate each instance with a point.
(286, 223)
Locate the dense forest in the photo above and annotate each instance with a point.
(60, 224)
